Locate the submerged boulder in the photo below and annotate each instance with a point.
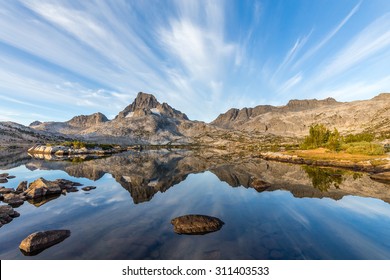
(196, 224)
(7, 213)
(39, 241)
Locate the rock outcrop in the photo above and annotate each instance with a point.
(196, 224)
(39, 241)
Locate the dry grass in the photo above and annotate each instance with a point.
(325, 154)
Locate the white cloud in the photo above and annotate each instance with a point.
(367, 43)
(328, 37)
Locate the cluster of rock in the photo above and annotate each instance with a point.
(63, 150)
(38, 192)
(4, 177)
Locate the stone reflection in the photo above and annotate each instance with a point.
(145, 173)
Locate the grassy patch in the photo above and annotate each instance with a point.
(325, 154)
(364, 148)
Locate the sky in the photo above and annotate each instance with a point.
(59, 59)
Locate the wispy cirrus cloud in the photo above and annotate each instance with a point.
(67, 58)
(309, 53)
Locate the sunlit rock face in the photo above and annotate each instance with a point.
(39, 241)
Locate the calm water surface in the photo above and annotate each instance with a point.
(298, 212)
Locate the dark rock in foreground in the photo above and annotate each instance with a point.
(4, 175)
(3, 180)
(7, 213)
(196, 224)
(39, 241)
(88, 188)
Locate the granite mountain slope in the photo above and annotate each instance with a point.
(295, 118)
(147, 121)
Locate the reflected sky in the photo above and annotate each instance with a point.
(286, 221)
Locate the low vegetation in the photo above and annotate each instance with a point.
(321, 137)
(79, 145)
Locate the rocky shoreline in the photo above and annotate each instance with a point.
(63, 150)
(364, 166)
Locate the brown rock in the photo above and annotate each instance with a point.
(196, 224)
(21, 187)
(39, 241)
(11, 177)
(6, 190)
(88, 188)
(259, 185)
(7, 213)
(42, 187)
(4, 175)
(3, 180)
(14, 200)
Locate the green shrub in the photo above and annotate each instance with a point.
(318, 136)
(364, 148)
(360, 137)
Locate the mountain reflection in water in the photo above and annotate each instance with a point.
(143, 174)
(264, 217)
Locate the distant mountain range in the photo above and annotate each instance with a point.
(146, 121)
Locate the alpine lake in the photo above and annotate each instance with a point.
(270, 210)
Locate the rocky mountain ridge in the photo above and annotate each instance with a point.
(295, 118)
(147, 121)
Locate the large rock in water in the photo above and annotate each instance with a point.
(42, 187)
(39, 241)
(196, 224)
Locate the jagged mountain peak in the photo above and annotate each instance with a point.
(146, 104)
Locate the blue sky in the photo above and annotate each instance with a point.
(59, 59)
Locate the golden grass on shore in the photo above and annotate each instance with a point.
(325, 154)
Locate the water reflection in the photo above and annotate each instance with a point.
(143, 174)
(129, 214)
(323, 178)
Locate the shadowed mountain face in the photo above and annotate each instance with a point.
(143, 174)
